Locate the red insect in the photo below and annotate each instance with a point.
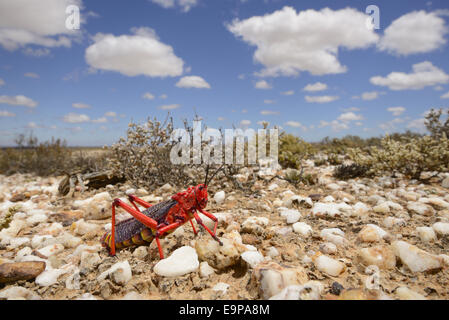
(159, 220)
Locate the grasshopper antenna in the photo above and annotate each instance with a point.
(214, 174)
(207, 173)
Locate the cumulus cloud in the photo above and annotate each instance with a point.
(335, 125)
(296, 124)
(169, 107)
(417, 124)
(315, 87)
(19, 100)
(245, 122)
(370, 95)
(41, 23)
(141, 53)
(396, 111)
(31, 75)
(262, 84)
(321, 99)
(4, 113)
(184, 5)
(269, 112)
(2, 82)
(100, 120)
(350, 116)
(288, 42)
(267, 101)
(414, 32)
(288, 93)
(221, 118)
(424, 74)
(148, 96)
(76, 118)
(193, 82)
(445, 96)
(110, 114)
(79, 105)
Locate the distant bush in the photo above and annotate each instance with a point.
(409, 156)
(45, 158)
(345, 172)
(436, 126)
(292, 150)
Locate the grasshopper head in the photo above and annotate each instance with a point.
(201, 195)
(193, 198)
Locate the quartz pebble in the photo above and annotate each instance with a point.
(219, 197)
(303, 229)
(405, 293)
(120, 273)
(206, 270)
(441, 228)
(182, 261)
(381, 256)
(328, 265)
(426, 234)
(415, 259)
(291, 216)
(252, 258)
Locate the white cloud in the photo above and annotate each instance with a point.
(76, 118)
(350, 116)
(370, 95)
(267, 101)
(262, 84)
(4, 113)
(396, 111)
(79, 105)
(269, 112)
(41, 23)
(138, 54)
(289, 42)
(445, 96)
(351, 109)
(245, 123)
(100, 120)
(185, 5)
(321, 99)
(19, 100)
(2, 82)
(424, 74)
(110, 114)
(148, 96)
(192, 82)
(315, 87)
(169, 107)
(288, 93)
(414, 32)
(39, 52)
(221, 119)
(163, 96)
(417, 124)
(241, 76)
(31, 75)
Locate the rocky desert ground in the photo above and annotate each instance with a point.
(382, 238)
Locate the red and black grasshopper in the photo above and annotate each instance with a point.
(159, 220)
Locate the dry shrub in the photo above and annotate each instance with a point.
(410, 157)
(45, 158)
(345, 172)
(292, 150)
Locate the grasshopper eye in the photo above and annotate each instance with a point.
(201, 187)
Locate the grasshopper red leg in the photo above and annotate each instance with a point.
(212, 217)
(147, 221)
(200, 222)
(193, 227)
(133, 198)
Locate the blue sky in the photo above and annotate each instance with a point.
(313, 71)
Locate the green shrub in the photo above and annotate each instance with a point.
(345, 172)
(292, 150)
(410, 157)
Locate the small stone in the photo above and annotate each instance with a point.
(309, 291)
(130, 191)
(415, 259)
(445, 183)
(390, 222)
(182, 261)
(381, 256)
(270, 278)
(253, 258)
(120, 273)
(303, 229)
(51, 250)
(219, 257)
(382, 208)
(166, 188)
(272, 252)
(291, 216)
(12, 272)
(405, 293)
(68, 240)
(426, 234)
(49, 277)
(221, 287)
(141, 252)
(328, 265)
(441, 228)
(81, 227)
(219, 197)
(206, 270)
(335, 236)
(133, 295)
(16, 293)
(371, 233)
(420, 208)
(255, 225)
(336, 288)
(20, 197)
(89, 260)
(359, 294)
(328, 248)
